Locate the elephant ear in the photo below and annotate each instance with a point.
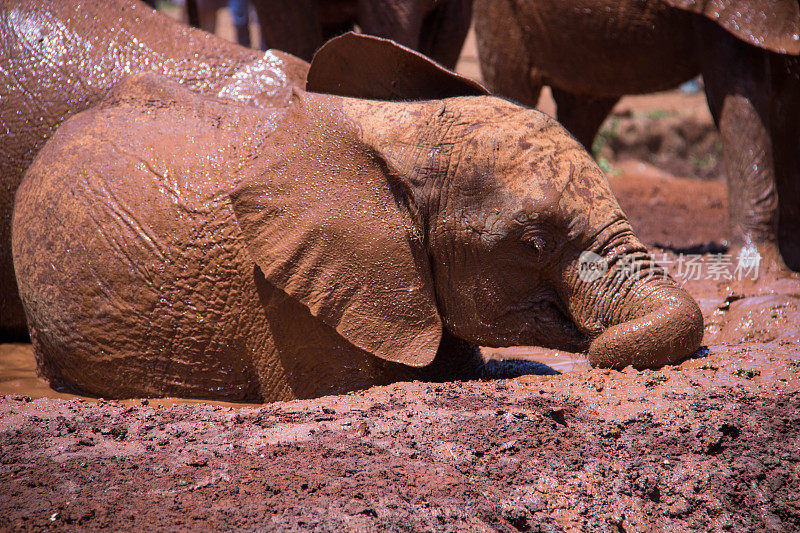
(326, 220)
(363, 66)
(770, 24)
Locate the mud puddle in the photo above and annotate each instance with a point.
(18, 375)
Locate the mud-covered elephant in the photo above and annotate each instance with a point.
(59, 58)
(437, 28)
(591, 52)
(167, 243)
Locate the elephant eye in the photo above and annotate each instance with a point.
(537, 243)
(535, 235)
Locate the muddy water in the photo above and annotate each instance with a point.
(18, 370)
(557, 361)
(18, 373)
(18, 376)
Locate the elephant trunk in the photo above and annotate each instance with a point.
(665, 327)
(636, 313)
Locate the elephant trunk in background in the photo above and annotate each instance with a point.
(642, 316)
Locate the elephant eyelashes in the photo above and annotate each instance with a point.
(534, 238)
(537, 244)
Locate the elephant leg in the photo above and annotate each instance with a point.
(391, 19)
(581, 115)
(192, 15)
(434, 28)
(444, 30)
(292, 27)
(505, 64)
(240, 13)
(785, 122)
(737, 83)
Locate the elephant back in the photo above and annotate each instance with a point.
(133, 271)
(126, 250)
(770, 24)
(59, 58)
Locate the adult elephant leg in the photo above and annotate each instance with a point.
(292, 27)
(192, 14)
(737, 83)
(503, 55)
(581, 115)
(12, 316)
(444, 29)
(785, 122)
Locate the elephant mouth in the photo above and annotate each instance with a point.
(553, 327)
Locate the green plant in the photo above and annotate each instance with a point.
(606, 166)
(608, 131)
(658, 114)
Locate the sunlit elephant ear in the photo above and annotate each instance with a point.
(326, 221)
(362, 66)
(770, 24)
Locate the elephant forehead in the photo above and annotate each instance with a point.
(535, 159)
(548, 176)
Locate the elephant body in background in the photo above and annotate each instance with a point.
(436, 28)
(59, 58)
(168, 243)
(592, 52)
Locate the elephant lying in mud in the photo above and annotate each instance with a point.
(593, 52)
(59, 58)
(167, 243)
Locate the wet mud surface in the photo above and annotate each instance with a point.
(710, 444)
(473, 456)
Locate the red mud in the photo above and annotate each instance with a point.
(711, 444)
(474, 456)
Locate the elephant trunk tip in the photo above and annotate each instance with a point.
(667, 329)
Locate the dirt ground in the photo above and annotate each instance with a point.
(712, 444)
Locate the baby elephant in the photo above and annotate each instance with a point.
(168, 243)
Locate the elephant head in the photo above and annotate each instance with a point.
(394, 220)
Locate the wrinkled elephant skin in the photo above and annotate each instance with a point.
(59, 58)
(168, 243)
(592, 52)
